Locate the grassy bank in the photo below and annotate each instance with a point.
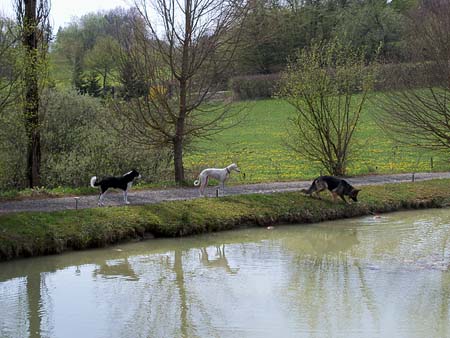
(32, 234)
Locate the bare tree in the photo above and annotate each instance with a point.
(328, 85)
(418, 112)
(182, 55)
(32, 16)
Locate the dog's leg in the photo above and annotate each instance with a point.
(202, 187)
(339, 191)
(334, 194)
(125, 197)
(101, 197)
(316, 194)
(204, 183)
(343, 198)
(319, 187)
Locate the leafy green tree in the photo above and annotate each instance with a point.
(261, 48)
(101, 59)
(91, 85)
(369, 24)
(77, 40)
(275, 30)
(90, 44)
(77, 76)
(133, 84)
(404, 6)
(327, 85)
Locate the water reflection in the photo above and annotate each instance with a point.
(116, 268)
(218, 261)
(350, 278)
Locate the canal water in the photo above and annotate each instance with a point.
(385, 276)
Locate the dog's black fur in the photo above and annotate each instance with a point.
(337, 186)
(118, 182)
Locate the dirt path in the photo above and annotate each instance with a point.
(155, 196)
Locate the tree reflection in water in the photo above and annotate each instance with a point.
(315, 280)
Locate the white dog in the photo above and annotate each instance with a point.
(219, 174)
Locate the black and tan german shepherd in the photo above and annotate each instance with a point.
(337, 186)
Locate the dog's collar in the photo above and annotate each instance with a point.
(228, 170)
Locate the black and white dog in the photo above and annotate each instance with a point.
(121, 182)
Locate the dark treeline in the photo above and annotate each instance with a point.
(272, 32)
(276, 29)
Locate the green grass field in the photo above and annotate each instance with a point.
(256, 145)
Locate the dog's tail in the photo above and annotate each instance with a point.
(311, 189)
(94, 181)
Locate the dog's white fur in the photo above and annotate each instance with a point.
(219, 174)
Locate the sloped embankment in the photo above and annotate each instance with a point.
(40, 233)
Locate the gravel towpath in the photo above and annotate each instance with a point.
(155, 196)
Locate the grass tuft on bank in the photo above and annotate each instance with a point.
(38, 233)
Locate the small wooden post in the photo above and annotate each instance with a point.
(413, 177)
(76, 202)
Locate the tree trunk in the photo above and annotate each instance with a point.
(31, 107)
(179, 135)
(178, 160)
(183, 82)
(104, 82)
(34, 157)
(338, 168)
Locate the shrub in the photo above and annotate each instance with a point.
(399, 76)
(321, 84)
(250, 87)
(79, 143)
(76, 144)
(13, 148)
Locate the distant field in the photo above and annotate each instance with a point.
(256, 145)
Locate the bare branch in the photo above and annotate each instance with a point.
(182, 58)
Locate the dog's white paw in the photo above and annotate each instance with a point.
(127, 202)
